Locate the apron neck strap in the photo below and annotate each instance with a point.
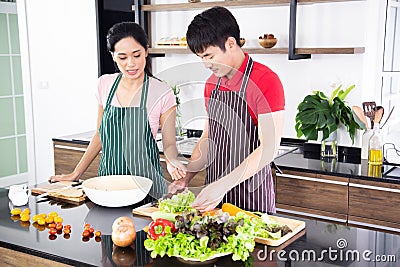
(113, 89)
(145, 89)
(246, 76)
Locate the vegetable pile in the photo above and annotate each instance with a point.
(192, 235)
(201, 237)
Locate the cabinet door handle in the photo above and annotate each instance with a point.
(71, 148)
(312, 179)
(375, 188)
(313, 215)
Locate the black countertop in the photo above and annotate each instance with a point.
(329, 244)
(348, 164)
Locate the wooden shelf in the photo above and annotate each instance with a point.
(233, 3)
(333, 50)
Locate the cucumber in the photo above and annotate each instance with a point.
(163, 215)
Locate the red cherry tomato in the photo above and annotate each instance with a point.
(85, 233)
(52, 231)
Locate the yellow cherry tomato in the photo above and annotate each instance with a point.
(53, 214)
(49, 219)
(26, 211)
(16, 211)
(43, 215)
(58, 219)
(36, 217)
(41, 221)
(25, 217)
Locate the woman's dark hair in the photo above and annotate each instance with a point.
(123, 30)
(212, 27)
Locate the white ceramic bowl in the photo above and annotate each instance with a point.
(117, 190)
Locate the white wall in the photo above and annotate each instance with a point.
(63, 73)
(318, 25)
(63, 61)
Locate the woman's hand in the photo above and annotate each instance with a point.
(64, 177)
(176, 169)
(178, 186)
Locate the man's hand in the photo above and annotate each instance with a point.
(178, 185)
(210, 196)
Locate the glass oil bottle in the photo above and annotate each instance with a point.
(375, 147)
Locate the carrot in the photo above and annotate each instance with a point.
(211, 213)
(233, 210)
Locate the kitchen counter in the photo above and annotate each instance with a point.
(306, 159)
(320, 236)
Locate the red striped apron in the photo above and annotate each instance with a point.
(233, 135)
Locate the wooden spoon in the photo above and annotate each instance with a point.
(378, 114)
(369, 111)
(360, 117)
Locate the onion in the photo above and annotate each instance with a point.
(123, 232)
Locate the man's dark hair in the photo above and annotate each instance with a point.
(212, 27)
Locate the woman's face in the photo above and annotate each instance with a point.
(130, 57)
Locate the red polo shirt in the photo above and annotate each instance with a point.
(264, 93)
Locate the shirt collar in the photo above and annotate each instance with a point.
(237, 77)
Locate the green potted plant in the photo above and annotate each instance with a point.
(319, 113)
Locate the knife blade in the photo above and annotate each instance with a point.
(39, 197)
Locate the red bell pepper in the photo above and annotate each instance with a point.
(157, 228)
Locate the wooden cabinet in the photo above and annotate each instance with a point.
(67, 155)
(374, 202)
(312, 194)
(143, 10)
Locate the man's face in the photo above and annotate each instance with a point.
(218, 61)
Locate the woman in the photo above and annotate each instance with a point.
(132, 106)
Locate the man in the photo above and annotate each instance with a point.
(245, 105)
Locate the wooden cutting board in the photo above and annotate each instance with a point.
(295, 225)
(145, 211)
(58, 191)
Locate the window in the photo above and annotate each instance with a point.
(390, 75)
(13, 150)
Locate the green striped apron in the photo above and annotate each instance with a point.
(128, 146)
